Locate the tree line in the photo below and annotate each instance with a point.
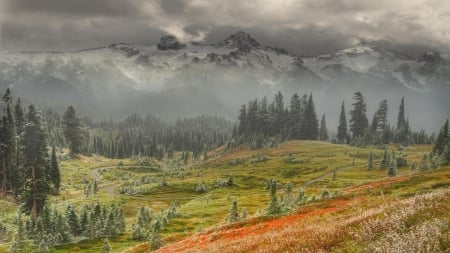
(29, 172)
(260, 121)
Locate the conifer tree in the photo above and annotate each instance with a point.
(54, 176)
(279, 117)
(445, 157)
(233, 214)
(72, 130)
(72, 220)
(301, 198)
(18, 240)
(35, 158)
(358, 118)
(442, 140)
(380, 126)
(401, 132)
(8, 148)
(323, 132)
(155, 238)
(19, 117)
(392, 168)
(295, 114)
(424, 163)
(311, 127)
(385, 160)
(342, 134)
(274, 206)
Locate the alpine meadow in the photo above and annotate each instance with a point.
(208, 126)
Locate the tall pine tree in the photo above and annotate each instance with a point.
(401, 132)
(311, 125)
(72, 130)
(295, 117)
(54, 176)
(35, 156)
(358, 118)
(323, 132)
(8, 150)
(442, 140)
(342, 133)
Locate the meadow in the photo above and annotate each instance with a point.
(360, 206)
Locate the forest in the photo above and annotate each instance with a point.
(33, 141)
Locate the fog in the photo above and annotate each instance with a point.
(221, 92)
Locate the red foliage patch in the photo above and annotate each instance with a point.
(240, 230)
(376, 184)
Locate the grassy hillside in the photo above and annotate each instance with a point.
(357, 197)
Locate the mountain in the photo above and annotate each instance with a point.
(372, 64)
(173, 79)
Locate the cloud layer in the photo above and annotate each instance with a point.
(303, 26)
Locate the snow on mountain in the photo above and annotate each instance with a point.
(423, 74)
(176, 79)
(147, 67)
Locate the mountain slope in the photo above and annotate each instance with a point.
(171, 79)
(368, 62)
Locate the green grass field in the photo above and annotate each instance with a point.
(307, 164)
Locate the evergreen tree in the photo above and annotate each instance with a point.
(72, 220)
(445, 157)
(54, 176)
(392, 168)
(295, 114)
(72, 130)
(155, 238)
(325, 193)
(323, 132)
(35, 156)
(274, 206)
(264, 117)
(358, 118)
(279, 117)
(342, 134)
(233, 214)
(401, 132)
(8, 148)
(18, 240)
(424, 163)
(19, 117)
(442, 140)
(380, 126)
(311, 127)
(301, 198)
(385, 160)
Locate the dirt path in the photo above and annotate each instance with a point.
(312, 181)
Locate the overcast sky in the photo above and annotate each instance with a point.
(303, 26)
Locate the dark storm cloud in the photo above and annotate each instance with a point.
(306, 41)
(173, 6)
(76, 7)
(302, 26)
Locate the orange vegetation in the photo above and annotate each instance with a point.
(237, 231)
(375, 184)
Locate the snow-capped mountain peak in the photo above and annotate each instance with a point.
(240, 40)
